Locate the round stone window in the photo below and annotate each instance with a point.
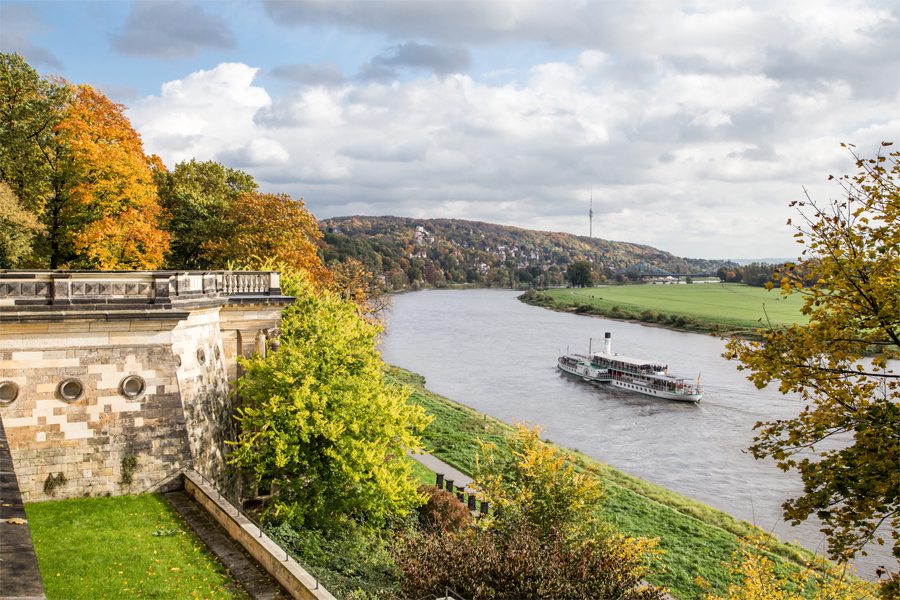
(216, 352)
(177, 360)
(133, 386)
(70, 390)
(201, 356)
(9, 391)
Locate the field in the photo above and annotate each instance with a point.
(696, 538)
(732, 306)
(123, 547)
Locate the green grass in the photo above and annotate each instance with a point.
(421, 474)
(106, 548)
(732, 306)
(696, 538)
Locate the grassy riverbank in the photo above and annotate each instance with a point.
(707, 307)
(696, 538)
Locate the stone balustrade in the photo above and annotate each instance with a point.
(130, 289)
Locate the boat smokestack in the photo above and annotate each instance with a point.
(608, 343)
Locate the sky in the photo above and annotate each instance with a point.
(691, 125)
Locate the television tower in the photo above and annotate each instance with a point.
(591, 216)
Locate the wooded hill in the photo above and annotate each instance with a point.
(459, 250)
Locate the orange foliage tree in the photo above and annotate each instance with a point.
(270, 226)
(105, 213)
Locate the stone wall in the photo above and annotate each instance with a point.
(115, 375)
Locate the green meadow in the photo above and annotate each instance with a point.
(731, 306)
(123, 547)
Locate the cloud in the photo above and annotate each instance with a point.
(695, 127)
(440, 60)
(326, 74)
(16, 23)
(167, 30)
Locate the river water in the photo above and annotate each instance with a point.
(487, 350)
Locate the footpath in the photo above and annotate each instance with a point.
(459, 479)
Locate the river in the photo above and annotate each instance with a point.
(487, 350)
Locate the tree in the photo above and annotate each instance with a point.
(579, 273)
(532, 481)
(319, 420)
(270, 226)
(544, 539)
(17, 228)
(352, 282)
(198, 195)
(851, 289)
(104, 212)
(753, 576)
(30, 108)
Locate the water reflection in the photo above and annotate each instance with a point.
(486, 349)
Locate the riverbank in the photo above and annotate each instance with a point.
(718, 309)
(696, 538)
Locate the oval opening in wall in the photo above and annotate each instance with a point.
(133, 386)
(70, 390)
(9, 391)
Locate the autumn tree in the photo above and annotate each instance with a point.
(753, 576)
(850, 282)
(353, 282)
(17, 228)
(531, 480)
(104, 212)
(198, 195)
(319, 421)
(269, 226)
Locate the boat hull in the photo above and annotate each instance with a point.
(648, 391)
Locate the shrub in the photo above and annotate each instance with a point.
(616, 311)
(662, 318)
(442, 511)
(649, 315)
(352, 562)
(522, 563)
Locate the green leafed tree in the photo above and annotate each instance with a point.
(579, 274)
(197, 196)
(319, 421)
(845, 442)
(30, 109)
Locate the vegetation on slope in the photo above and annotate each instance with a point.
(442, 251)
(696, 539)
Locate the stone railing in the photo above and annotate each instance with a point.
(132, 288)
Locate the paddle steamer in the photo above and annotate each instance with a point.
(629, 373)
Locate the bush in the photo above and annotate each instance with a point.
(649, 315)
(521, 563)
(352, 563)
(616, 311)
(662, 318)
(442, 511)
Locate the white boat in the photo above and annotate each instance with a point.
(629, 373)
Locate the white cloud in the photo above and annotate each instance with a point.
(696, 127)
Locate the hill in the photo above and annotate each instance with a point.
(458, 251)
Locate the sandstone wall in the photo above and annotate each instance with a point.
(84, 386)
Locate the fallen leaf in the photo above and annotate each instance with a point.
(16, 521)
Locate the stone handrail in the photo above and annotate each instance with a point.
(72, 288)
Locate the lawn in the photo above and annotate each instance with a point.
(696, 538)
(730, 304)
(123, 547)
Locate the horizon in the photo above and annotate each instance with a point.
(695, 124)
